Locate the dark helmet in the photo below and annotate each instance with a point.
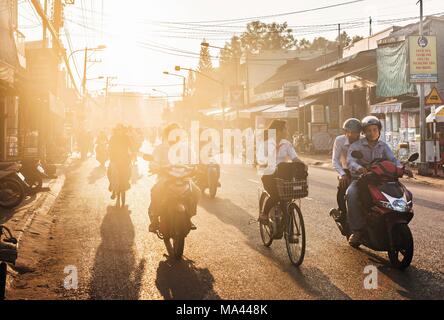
(353, 125)
(371, 120)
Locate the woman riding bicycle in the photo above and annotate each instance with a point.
(277, 149)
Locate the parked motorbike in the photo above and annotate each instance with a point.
(175, 219)
(13, 187)
(389, 209)
(34, 173)
(8, 254)
(207, 177)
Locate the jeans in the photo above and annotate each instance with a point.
(340, 196)
(355, 213)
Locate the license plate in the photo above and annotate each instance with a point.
(21, 176)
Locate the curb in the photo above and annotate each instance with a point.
(43, 204)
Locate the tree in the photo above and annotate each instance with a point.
(304, 43)
(357, 38)
(345, 39)
(319, 43)
(205, 90)
(261, 36)
(205, 64)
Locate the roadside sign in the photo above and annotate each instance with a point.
(434, 98)
(291, 95)
(423, 59)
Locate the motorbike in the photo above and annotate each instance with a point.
(8, 254)
(207, 177)
(34, 173)
(388, 206)
(175, 220)
(13, 187)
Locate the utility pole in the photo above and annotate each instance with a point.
(339, 42)
(370, 23)
(56, 39)
(422, 125)
(340, 93)
(44, 24)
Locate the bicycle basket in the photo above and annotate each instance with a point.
(292, 189)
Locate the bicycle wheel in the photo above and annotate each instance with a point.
(295, 235)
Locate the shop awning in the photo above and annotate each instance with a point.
(350, 63)
(438, 116)
(229, 116)
(395, 106)
(214, 111)
(280, 111)
(246, 113)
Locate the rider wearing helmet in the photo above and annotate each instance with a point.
(352, 130)
(371, 148)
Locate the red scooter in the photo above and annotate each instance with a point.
(389, 209)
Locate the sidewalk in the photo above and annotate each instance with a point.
(31, 220)
(324, 161)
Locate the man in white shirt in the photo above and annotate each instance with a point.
(352, 129)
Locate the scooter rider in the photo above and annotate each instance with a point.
(352, 130)
(161, 158)
(372, 148)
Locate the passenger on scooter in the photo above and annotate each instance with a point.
(352, 130)
(281, 150)
(371, 148)
(160, 159)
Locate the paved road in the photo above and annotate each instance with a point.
(116, 257)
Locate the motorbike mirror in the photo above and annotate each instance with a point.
(414, 157)
(148, 157)
(357, 154)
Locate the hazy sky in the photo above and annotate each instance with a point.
(143, 36)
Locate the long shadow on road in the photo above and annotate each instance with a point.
(311, 279)
(96, 174)
(181, 279)
(115, 274)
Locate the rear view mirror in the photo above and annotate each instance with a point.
(357, 154)
(413, 157)
(148, 157)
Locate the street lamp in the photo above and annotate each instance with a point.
(163, 92)
(221, 83)
(97, 78)
(98, 48)
(183, 79)
(86, 49)
(236, 64)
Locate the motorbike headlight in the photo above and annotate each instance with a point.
(400, 205)
(387, 205)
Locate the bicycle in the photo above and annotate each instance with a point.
(285, 220)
